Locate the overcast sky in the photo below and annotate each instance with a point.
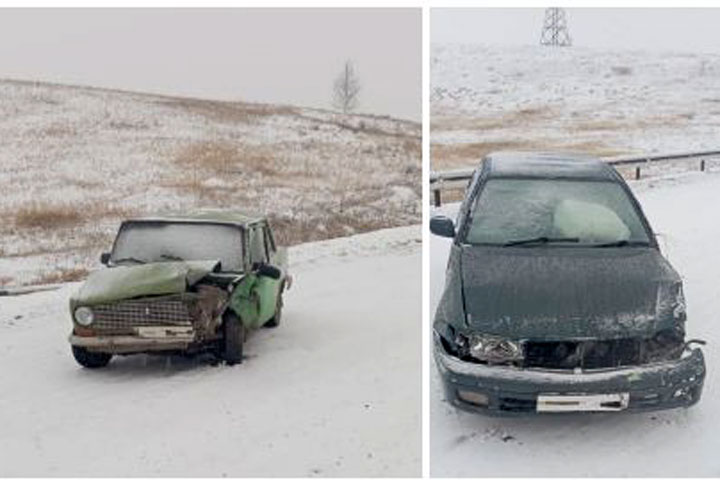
(693, 29)
(266, 55)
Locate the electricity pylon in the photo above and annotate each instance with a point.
(555, 30)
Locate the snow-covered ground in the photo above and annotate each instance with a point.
(608, 103)
(671, 443)
(334, 391)
(76, 160)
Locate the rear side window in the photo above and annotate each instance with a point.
(594, 212)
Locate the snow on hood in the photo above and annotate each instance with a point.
(162, 278)
(564, 293)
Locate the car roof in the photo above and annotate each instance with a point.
(547, 165)
(203, 216)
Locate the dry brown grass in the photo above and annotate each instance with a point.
(229, 112)
(93, 240)
(362, 124)
(58, 130)
(466, 123)
(413, 148)
(509, 119)
(47, 215)
(446, 156)
(624, 125)
(671, 120)
(82, 183)
(193, 185)
(62, 275)
(130, 126)
(290, 231)
(598, 125)
(223, 157)
(50, 216)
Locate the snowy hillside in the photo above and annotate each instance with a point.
(75, 160)
(333, 391)
(675, 443)
(607, 103)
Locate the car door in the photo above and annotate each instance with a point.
(266, 288)
(254, 298)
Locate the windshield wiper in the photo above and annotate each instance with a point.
(129, 259)
(623, 243)
(172, 257)
(541, 240)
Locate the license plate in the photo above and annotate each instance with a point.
(164, 332)
(606, 402)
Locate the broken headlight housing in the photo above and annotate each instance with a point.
(492, 349)
(84, 316)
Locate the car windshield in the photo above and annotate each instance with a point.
(144, 242)
(553, 211)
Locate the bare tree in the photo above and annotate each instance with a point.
(346, 89)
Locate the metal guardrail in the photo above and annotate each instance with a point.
(438, 180)
(16, 291)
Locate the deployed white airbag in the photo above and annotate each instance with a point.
(590, 222)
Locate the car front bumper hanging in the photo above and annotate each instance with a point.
(506, 390)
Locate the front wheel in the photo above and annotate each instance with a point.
(233, 339)
(90, 359)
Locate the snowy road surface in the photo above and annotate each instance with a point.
(334, 391)
(670, 443)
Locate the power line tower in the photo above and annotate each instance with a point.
(555, 30)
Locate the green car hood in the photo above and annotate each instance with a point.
(162, 278)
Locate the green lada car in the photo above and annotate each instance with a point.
(185, 284)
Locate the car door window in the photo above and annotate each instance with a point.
(258, 252)
(269, 241)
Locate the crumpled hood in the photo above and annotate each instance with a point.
(118, 283)
(548, 293)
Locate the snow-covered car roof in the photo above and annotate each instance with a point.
(203, 216)
(550, 165)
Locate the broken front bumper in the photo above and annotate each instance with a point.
(504, 390)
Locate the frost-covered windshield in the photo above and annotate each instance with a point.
(143, 242)
(581, 212)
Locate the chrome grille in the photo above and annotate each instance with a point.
(123, 316)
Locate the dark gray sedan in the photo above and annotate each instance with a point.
(557, 298)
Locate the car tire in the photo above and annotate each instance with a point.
(275, 320)
(90, 359)
(233, 339)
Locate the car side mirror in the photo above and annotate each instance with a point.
(267, 270)
(442, 226)
(105, 258)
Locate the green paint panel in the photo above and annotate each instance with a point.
(245, 301)
(118, 283)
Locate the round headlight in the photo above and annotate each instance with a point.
(83, 316)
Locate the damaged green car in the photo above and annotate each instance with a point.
(186, 284)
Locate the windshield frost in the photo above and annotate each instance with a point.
(158, 241)
(593, 212)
